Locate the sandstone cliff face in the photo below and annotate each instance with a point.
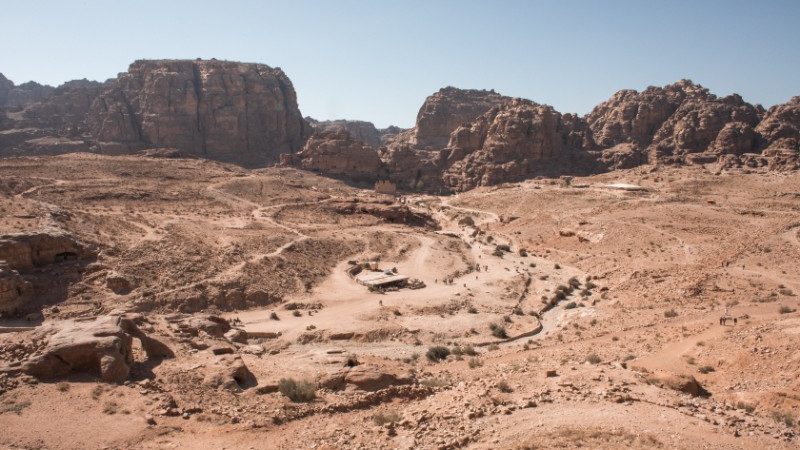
(511, 143)
(20, 96)
(631, 117)
(780, 128)
(228, 111)
(358, 129)
(338, 154)
(673, 121)
(694, 126)
(66, 108)
(448, 109)
(5, 86)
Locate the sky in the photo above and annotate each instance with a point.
(378, 60)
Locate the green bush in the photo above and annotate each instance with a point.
(437, 353)
(297, 391)
(498, 331)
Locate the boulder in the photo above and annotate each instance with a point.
(15, 292)
(212, 325)
(677, 382)
(101, 346)
(364, 378)
(231, 374)
(236, 335)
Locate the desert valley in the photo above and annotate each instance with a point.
(188, 262)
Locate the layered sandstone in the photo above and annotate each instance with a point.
(780, 128)
(337, 153)
(511, 143)
(66, 108)
(358, 129)
(448, 109)
(228, 111)
(20, 96)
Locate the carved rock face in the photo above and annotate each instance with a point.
(234, 112)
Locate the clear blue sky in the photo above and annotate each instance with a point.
(377, 60)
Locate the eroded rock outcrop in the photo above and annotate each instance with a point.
(101, 346)
(360, 130)
(338, 154)
(20, 96)
(631, 117)
(228, 111)
(694, 126)
(65, 109)
(24, 251)
(20, 253)
(447, 109)
(780, 128)
(671, 123)
(511, 143)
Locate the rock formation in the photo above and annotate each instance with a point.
(228, 111)
(511, 143)
(102, 347)
(19, 96)
(780, 128)
(20, 254)
(65, 109)
(247, 114)
(447, 109)
(337, 153)
(358, 129)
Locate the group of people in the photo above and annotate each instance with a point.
(723, 320)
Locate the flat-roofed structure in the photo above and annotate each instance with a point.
(379, 279)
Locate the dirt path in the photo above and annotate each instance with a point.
(348, 307)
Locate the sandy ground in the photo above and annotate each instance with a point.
(656, 256)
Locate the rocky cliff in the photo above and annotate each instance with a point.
(337, 153)
(247, 114)
(228, 111)
(19, 96)
(780, 128)
(447, 109)
(358, 129)
(512, 142)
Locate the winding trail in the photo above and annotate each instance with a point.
(348, 308)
